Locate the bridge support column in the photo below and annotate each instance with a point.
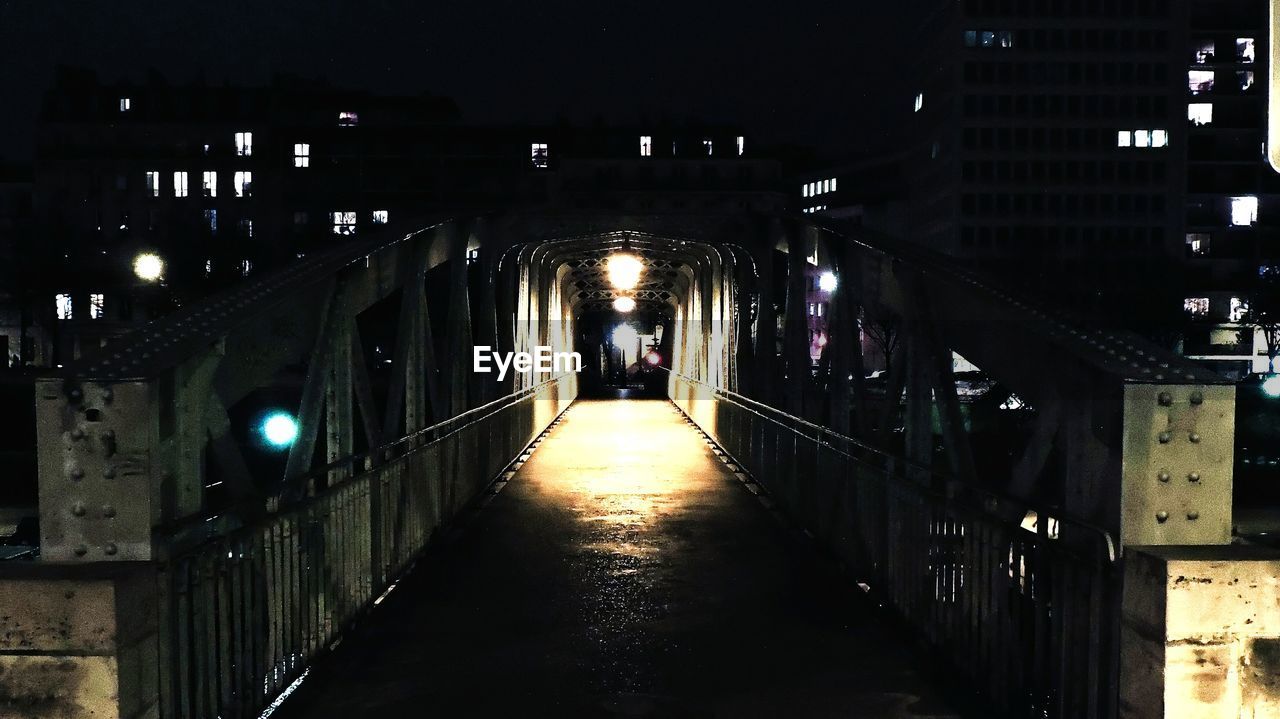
(1200, 630)
(79, 641)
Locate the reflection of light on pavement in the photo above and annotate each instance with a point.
(619, 465)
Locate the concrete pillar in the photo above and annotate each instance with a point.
(1200, 633)
(78, 641)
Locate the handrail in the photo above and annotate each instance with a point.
(987, 499)
(282, 500)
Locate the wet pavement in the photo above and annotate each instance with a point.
(623, 572)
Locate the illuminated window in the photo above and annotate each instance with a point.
(919, 101)
(1245, 49)
(246, 266)
(539, 154)
(244, 143)
(1142, 138)
(96, 305)
(208, 267)
(126, 104)
(62, 304)
(1203, 52)
(180, 184)
(1004, 38)
(244, 184)
(1244, 210)
(153, 183)
(1196, 306)
(826, 186)
(380, 217)
(1244, 79)
(804, 190)
(344, 223)
(301, 154)
(211, 219)
(1198, 243)
(246, 227)
(1239, 309)
(987, 38)
(1200, 113)
(742, 145)
(706, 145)
(833, 184)
(646, 145)
(970, 38)
(1199, 81)
(348, 119)
(210, 183)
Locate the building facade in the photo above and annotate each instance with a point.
(211, 184)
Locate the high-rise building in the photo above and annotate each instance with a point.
(1049, 142)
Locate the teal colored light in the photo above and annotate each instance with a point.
(1271, 386)
(280, 429)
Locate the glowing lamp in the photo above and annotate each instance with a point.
(279, 429)
(1271, 386)
(624, 304)
(148, 266)
(625, 336)
(653, 358)
(827, 282)
(624, 271)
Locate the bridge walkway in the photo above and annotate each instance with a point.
(623, 571)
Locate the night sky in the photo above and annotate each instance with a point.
(803, 72)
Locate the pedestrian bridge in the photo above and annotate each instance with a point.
(734, 532)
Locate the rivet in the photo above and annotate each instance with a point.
(1197, 397)
(1195, 438)
(77, 433)
(107, 394)
(109, 472)
(108, 510)
(1162, 517)
(1193, 477)
(75, 394)
(109, 434)
(1165, 437)
(77, 509)
(110, 549)
(81, 550)
(77, 473)
(1159, 376)
(1165, 399)
(1163, 476)
(1193, 515)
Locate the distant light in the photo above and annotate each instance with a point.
(827, 282)
(624, 336)
(653, 357)
(624, 271)
(1271, 386)
(822, 340)
(624, 304)
(148, 266)
(280, 429)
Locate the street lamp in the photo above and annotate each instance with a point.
(827, 282)
(624, 271)
(148, 266)
(280, 429)
(624, 304)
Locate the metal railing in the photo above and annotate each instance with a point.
(243, 614)
(1020, 603)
